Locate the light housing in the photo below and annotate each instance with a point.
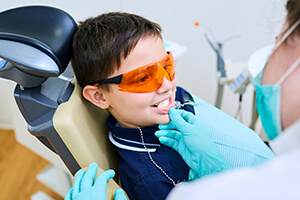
(37, 40)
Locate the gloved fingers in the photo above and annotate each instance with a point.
(168, 126)
(89, 176)
(174, 115)
(120, 195)
(179, 117)
(101, 180)
(170, 142)
(77, 181)
(69, 195)
(187, 116)
(177, 120)
(168, 133)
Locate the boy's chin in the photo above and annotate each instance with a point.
(164, 120)
(161, 120)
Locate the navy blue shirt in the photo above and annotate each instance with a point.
(140, 178)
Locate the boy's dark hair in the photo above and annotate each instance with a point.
(100, 43)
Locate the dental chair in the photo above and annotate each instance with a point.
(35, 49)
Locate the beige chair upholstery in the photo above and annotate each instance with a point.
(81, 126)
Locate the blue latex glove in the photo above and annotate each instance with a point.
(84, 187)
(189, 137)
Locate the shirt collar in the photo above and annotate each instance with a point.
(130, 138)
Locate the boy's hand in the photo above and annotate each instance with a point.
(189, 137)
(84, 187)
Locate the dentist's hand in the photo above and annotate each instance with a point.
(84, 187)
(189, 137)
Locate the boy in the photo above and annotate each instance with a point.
(117, 44)
(121, 64)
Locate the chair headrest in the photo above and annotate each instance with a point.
(37, 39)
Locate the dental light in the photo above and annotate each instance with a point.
(36, 42)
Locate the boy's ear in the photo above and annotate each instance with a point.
(96, 96)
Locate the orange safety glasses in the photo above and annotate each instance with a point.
(144, 79)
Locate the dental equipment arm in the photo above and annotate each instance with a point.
(189, 137)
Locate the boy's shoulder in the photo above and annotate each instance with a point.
(183, 96)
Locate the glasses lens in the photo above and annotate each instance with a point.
(169, 66)
(148, 78)
(144, 79)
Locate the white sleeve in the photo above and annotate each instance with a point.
(277, 179)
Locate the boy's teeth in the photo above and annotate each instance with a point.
(163, 103)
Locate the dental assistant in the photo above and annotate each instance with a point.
(278, 104)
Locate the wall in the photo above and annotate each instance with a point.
(6, 91)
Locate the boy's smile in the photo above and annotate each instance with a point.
(164, 105)
(142, 109)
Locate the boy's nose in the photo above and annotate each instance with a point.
(165, 86)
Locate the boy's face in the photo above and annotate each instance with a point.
(141, 109)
